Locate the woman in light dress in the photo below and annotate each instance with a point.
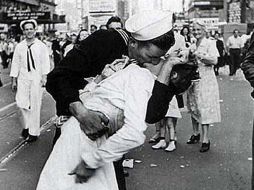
(203, 96)
(166, 128)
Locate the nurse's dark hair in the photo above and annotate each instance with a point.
(163, 42)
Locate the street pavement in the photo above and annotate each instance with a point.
(227, 166)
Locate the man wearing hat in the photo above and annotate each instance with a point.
(30, 66)
(102, 48)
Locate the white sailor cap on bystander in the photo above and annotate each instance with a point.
(31, 21)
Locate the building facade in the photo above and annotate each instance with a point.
(12, 12)
(206, 12)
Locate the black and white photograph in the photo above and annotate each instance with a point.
(126, 94)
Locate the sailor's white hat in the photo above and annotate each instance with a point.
(32, 21)
(147, 25)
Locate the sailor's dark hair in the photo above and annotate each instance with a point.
(164, 42)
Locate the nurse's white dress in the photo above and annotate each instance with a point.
(123, 99)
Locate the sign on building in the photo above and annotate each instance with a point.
(210, 23)
(234, 12)
(102, 6)
(16, 16)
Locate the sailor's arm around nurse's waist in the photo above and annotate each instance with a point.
(91, 122)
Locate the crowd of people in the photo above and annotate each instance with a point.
(141, 73)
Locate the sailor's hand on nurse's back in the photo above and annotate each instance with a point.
(91, 122)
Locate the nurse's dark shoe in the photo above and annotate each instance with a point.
(32, 138)
(24, 133)
(194, 139)
(205, 147)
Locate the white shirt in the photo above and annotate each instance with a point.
(244, 38)
(234, 43)
(179, 43)
(41, 60)
(208, 47)
(128, 90)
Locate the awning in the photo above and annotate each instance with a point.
(39, 16)
(30, 2)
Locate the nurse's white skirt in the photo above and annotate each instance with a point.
(173, 109)
(66, 155)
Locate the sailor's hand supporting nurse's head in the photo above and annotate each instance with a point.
(167, 64)
(82, 172)
(183, 54)
(92, 123)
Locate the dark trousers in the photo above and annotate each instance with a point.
(118, 165)
(220, 63)
(4, 57)
(235, 60)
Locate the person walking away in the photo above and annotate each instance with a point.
(221, 50)
(3, 50)
(10, 49)
(234, 45)
(203, 95)
(56, 49)
(30, 66)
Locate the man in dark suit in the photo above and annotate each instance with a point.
(221, 50)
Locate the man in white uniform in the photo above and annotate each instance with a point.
(30, 66)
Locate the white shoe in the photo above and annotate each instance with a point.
(171, 146)
(161, 144)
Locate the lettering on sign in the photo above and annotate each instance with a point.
(11, 16)
(234, 12)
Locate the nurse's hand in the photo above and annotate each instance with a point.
(91, 122)
(82, 172)
(14, 85)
